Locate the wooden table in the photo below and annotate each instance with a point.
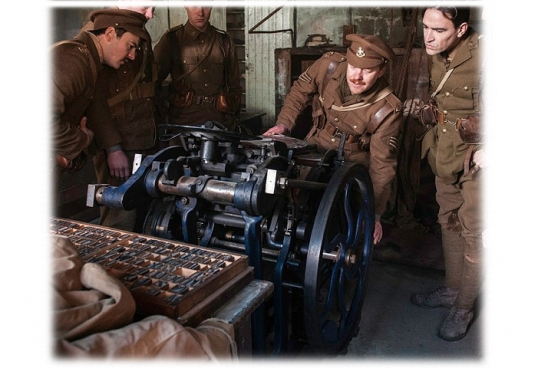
(245, 312)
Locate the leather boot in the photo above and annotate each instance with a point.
(456, 324)
(441, 297)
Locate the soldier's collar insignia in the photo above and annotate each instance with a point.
(360, 52)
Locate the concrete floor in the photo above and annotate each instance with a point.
(392, 329)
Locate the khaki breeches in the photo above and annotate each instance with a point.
(460, 217)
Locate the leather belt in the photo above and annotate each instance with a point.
(199, 100)
(441, 118)
(335, 132)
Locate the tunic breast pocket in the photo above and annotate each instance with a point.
(463, 96)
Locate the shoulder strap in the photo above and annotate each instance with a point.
(122, 96)
(175, 52)
(226, 51)
(381, 95)
(379, 116)
(225, 43)
(447, 74)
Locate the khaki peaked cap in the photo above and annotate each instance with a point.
(131, 21)
(368, 51)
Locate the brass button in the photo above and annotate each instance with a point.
(333, 140)
(447, 94)
(336, 119)
(354, 127)
(445, 112)
(444, 130)
(466, 88)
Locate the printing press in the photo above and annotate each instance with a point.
(304, 219)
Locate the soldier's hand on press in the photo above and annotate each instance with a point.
(119, 165)
(412, 107)
(86, 130)
(277, 129)
(378, 231)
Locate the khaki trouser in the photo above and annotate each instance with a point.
(460, 217)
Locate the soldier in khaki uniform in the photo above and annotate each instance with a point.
(353, 104)
(131, 97)
(204, 69)
(454, 152)
(76, 65)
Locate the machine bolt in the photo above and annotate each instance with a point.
(351, 257)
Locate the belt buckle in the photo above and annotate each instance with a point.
(208, 100)
(336, 132)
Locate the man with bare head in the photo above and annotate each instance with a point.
(454, 149)
(203, 65)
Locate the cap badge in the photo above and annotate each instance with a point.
(360, 52)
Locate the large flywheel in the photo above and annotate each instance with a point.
(338, 257)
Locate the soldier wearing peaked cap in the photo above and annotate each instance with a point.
(76, 65)
(353, 107)
(129, 20)
(368, 51)
(130, 92)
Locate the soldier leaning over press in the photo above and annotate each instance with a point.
(202, 63)
(76, 65)
(130, 92)
(354, 105)
(454, 150)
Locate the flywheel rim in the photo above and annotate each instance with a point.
(346, 256)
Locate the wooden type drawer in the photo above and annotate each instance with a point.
(166, 277)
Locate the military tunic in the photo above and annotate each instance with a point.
(459, 196)
(458, 98)
(375, 115)
(75, 66)
(446, 152)
(204, 63)
(130, 93)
